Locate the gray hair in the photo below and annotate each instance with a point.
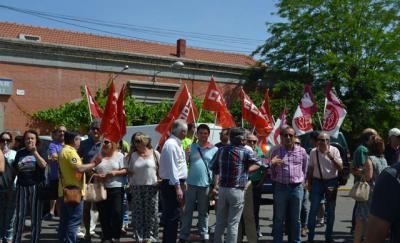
(236, 135)
(178, 126)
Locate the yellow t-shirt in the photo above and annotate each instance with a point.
(69, 160)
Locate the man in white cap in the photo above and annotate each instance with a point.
(392, 149)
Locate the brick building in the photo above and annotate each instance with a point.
(42, 68)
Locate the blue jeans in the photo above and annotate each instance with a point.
(200, 195)
(229, 210)
(71, 216)
(317, 193)
(7, 214)
(125, 210)
(287, 197)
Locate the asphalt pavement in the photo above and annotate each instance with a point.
(344, 207)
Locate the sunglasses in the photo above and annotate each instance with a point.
(106, 142)
(288, 135)
(323, 140)
(297, 143)
(252, 141)
(95, 128)
(5, 140)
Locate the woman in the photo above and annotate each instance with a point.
(29, 165)
(142, 167)
(7, 194)
(71, 174)
(375, 165)
(111, 171)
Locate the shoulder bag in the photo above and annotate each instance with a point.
(72, 194)
(360, 190)
(94, 191)
(330, 191)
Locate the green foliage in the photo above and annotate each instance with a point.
(354, 43)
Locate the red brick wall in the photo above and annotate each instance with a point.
(47, 87)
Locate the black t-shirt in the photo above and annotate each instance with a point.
(88, 150)
(386, 199)
(28, 170)
(391, 155)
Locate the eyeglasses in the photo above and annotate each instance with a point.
(95, 128)
(288, 135)
(323, 140)
(298, 143)
(252, 141)
(136, 141)
(106, 142)
(60, 131)
(5, 140)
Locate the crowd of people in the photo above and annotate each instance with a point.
(189, 173)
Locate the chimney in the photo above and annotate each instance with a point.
(180, 47)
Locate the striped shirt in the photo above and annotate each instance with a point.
(231, 163)
(294, 166)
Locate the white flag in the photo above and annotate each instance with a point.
(334, 113)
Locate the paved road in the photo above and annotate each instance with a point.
(341, 229)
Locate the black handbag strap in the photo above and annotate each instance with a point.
(157, 164)
(205, 163)
(319, 165)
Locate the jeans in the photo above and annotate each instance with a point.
(229, 210)
(247, 223)
(193, 194)
(7, 214)
(70, 220)
(317, 193)
(304, 210)
(125, 210)
(287, 197)
(257, 195)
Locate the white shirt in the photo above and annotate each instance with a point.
(144, 169)
(328, 169)
(172, 161)
(115, 162)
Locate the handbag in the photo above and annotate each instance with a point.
(360, 191)
(330, 191)
(72, 195)
(94, 192)
(7, 177)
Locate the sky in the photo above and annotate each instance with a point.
(228, 25)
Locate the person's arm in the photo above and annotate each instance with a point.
(304, 165)
(335, 158)
(368, 170)
(85, 167)
(2, 163)
(41, 161)
(53, 152)
(378, 229)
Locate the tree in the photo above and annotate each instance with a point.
(353, 43)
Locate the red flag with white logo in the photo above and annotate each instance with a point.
(334, 112)
(213, 101)
(110, 126)
(121, 111)
(266, 110)
(183, 108)
(275, 137)
(302, 119)
(94, 108)
(252, 115)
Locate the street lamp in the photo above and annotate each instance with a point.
(126, 67)
(175, 65)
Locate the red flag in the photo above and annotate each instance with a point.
(302, 122)
(110, 127)
(334, 112)
(213, 101)
(183, 108)
(121, 111)
(266, 110)
(94, 108)
(252, 115)
(274, 138)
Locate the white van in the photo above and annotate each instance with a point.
(155, 136)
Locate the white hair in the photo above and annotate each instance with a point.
(178, 126)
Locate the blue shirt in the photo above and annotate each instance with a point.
(54, 147)
(88, 150)
(231, 163)
(199, 173)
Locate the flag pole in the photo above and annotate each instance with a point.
(326, 101)
(87, 99)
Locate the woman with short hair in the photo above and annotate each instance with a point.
(142, 162)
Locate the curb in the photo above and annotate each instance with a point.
(344, 188)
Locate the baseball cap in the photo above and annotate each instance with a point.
(394, 132)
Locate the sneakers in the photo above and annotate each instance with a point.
(259, 234)
(80, 235)
(304, 232)
(48, 216)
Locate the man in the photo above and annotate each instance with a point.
(173, 172)
(288, 172)
(231, 165)
(248, 223)
(325, 163)
(198, 181)
(88, 150)
(223, 137)
(54, 149)
(392, 149)
(360, 157)
(384, 215)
